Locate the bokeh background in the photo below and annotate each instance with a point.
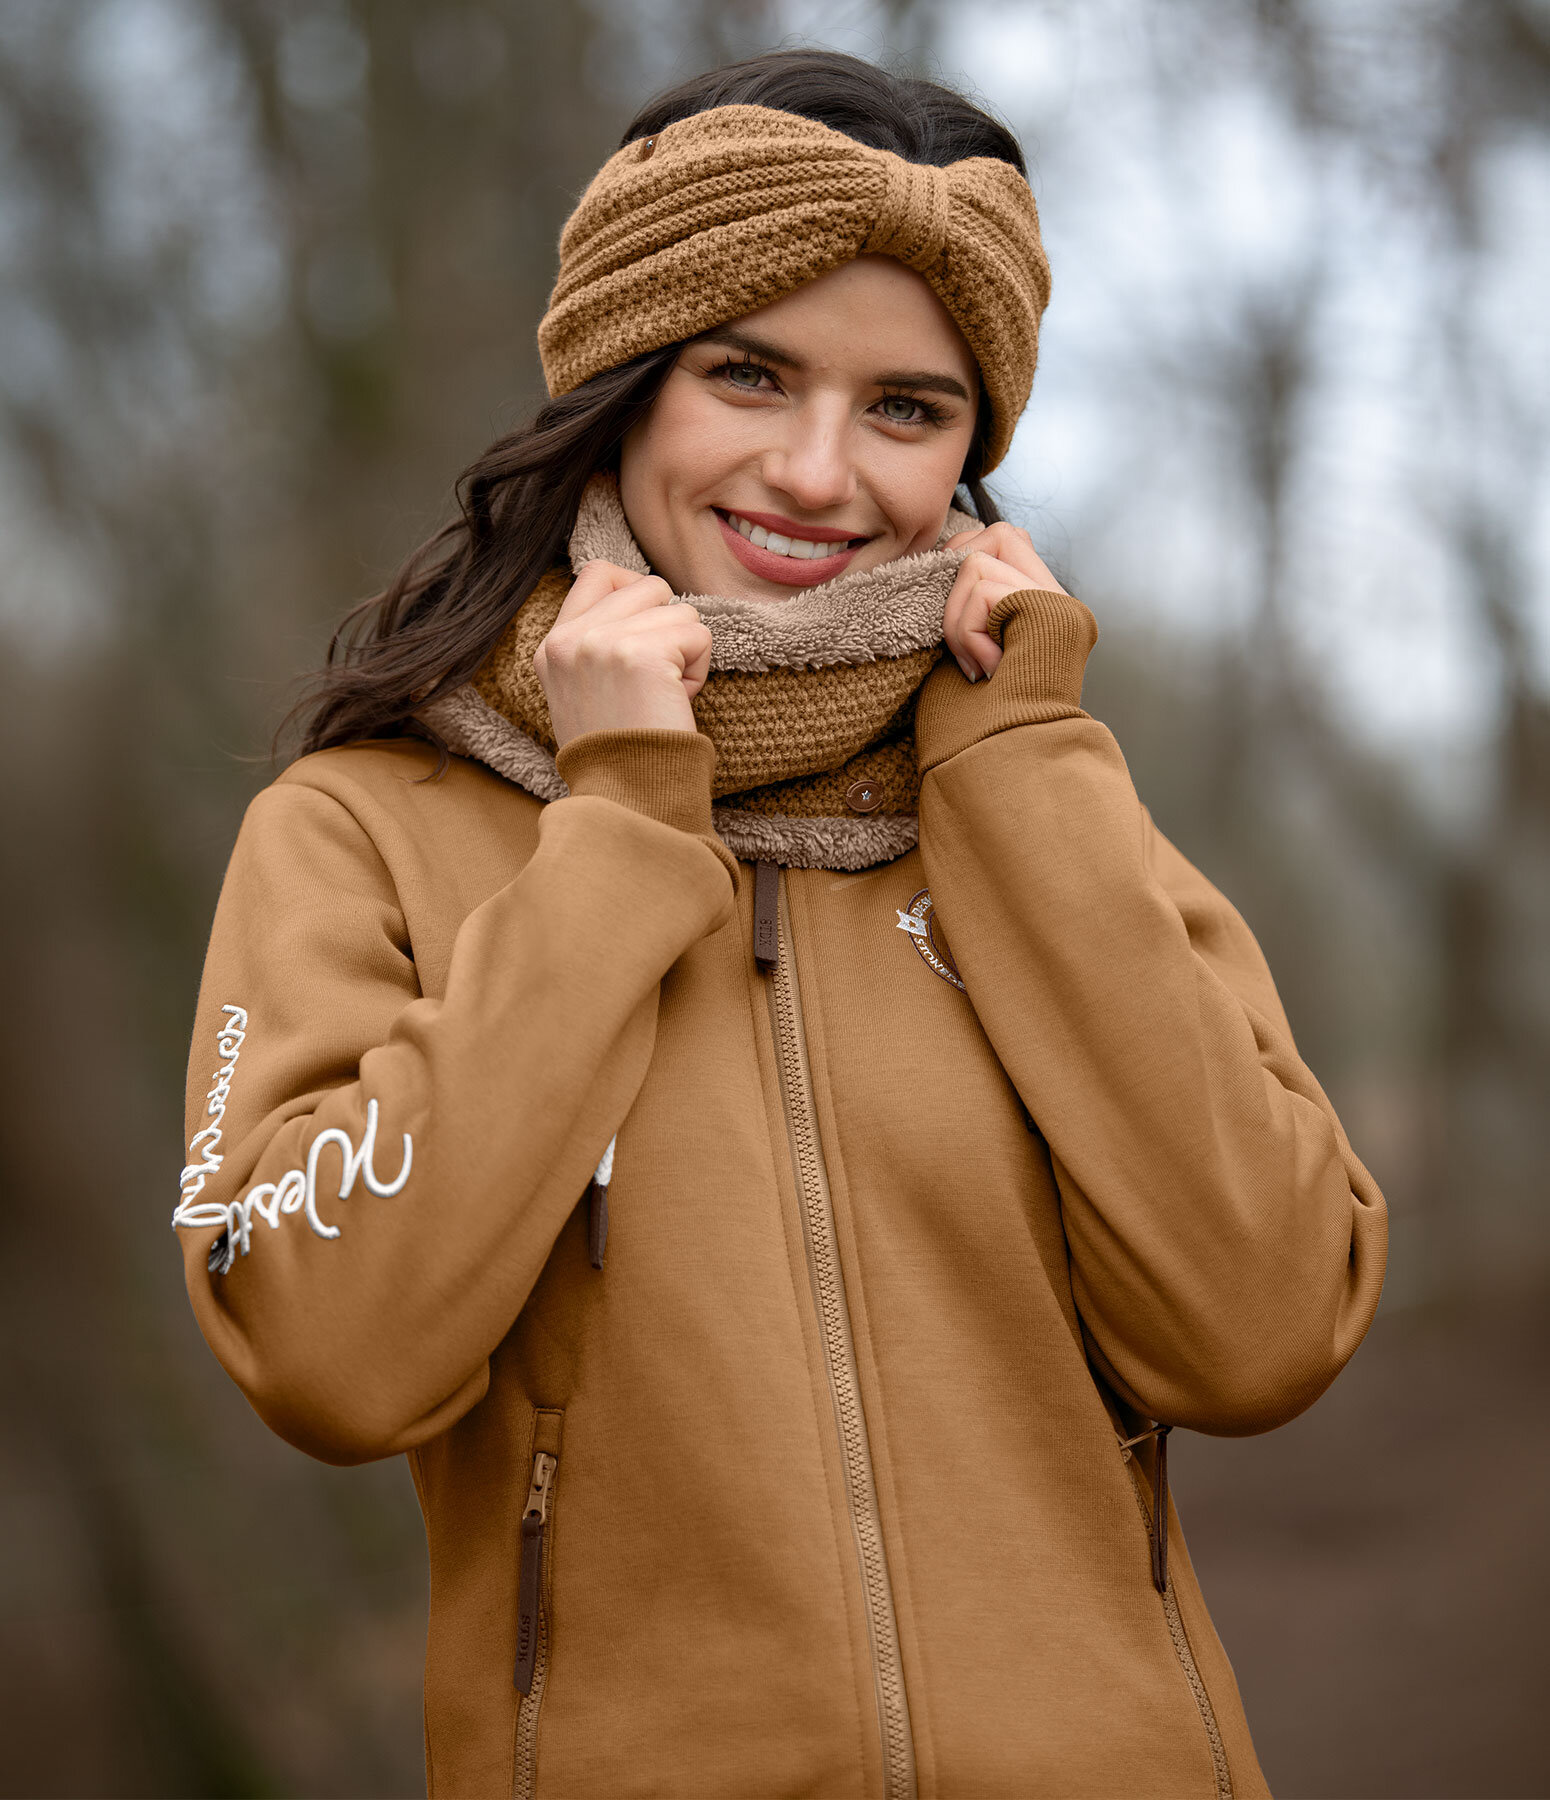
(269, 273)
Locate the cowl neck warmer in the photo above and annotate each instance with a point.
(810, 701)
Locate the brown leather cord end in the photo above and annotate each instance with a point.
(766, 900)
(597, 1223)
(1160, 1512)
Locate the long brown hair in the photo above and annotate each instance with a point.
(438, 619)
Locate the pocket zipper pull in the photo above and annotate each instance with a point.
(535, 1517)
(1159, 1519)
(1160, 1511)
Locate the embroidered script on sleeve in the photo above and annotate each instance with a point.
(295, 1191)
(228, 1046)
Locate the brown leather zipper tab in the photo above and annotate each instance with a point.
(766, 902)
(535, 1516)
(527, 1603)
(1159, 1519)
(1160, 1511)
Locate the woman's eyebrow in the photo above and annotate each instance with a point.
(931, 380)
(925, 380)
(733, 339)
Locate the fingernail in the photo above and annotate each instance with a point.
(967, 667)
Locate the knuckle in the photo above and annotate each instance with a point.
(586, 649)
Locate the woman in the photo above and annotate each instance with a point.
(768, 1124)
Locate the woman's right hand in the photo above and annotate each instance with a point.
(618, 656)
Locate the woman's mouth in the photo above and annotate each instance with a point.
(794, 558)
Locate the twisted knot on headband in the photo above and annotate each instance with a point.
(912, 213)
(731, 209)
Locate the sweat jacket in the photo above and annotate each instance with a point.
(823, 1485)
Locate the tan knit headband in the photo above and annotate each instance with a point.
(723, 212)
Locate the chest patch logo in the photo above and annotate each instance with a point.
(919, 920)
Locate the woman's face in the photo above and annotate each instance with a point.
(838, 418)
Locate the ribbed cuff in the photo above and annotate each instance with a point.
(664, 774)
(1045, 639)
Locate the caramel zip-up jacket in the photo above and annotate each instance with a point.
(817, 1487)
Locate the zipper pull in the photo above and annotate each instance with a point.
(535, 1517)
(766, 902)
(1160, 1511)
(1159, 1498)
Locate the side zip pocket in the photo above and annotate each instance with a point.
(1156, 1519)
(534, 1598)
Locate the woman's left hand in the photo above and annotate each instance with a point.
(1002, 561)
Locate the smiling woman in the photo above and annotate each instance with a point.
(618, 886)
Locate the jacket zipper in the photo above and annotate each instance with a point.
(532, 1665)
(1156, 1519)
(823, 1267)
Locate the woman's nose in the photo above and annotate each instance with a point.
(812, 463)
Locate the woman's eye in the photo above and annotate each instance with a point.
(899, 409)
(745, 375)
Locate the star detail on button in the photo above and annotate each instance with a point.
(863, 796)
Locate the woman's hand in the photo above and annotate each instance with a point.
(618, 656)
(1002, 561)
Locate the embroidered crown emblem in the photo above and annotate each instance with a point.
(918, 919)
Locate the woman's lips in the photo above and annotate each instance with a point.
(788, 571)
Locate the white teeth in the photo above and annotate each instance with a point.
(803, 549)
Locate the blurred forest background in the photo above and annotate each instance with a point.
(269, 273)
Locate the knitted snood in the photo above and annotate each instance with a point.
(810, 702)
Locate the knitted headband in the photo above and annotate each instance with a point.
(727, 210)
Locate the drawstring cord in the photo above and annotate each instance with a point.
(597, 1206)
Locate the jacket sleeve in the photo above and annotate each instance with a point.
(1226, 1246)
(375, 1178)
